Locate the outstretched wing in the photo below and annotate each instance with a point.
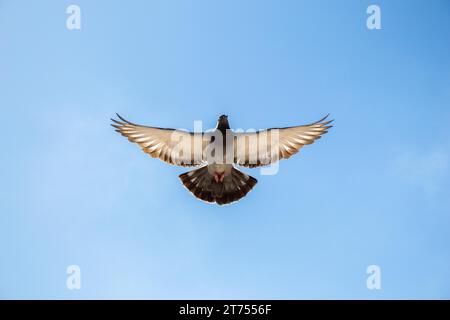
(175, 147)
(254, 149)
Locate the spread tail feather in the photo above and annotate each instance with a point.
(203, 186)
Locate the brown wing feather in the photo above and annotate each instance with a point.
(175, 147)
(268, 146)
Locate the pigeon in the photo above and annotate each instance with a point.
(219, 152)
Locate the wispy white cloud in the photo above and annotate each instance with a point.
(427, 170)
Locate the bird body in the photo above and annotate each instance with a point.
(219, 152)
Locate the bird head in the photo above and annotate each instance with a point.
(223, 122)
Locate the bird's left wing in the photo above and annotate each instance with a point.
(254, 149)
(175, 147)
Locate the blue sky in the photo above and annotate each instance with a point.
(375, 190)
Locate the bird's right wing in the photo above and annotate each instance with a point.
(175, 147)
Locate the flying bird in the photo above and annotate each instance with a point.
(219, 151)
